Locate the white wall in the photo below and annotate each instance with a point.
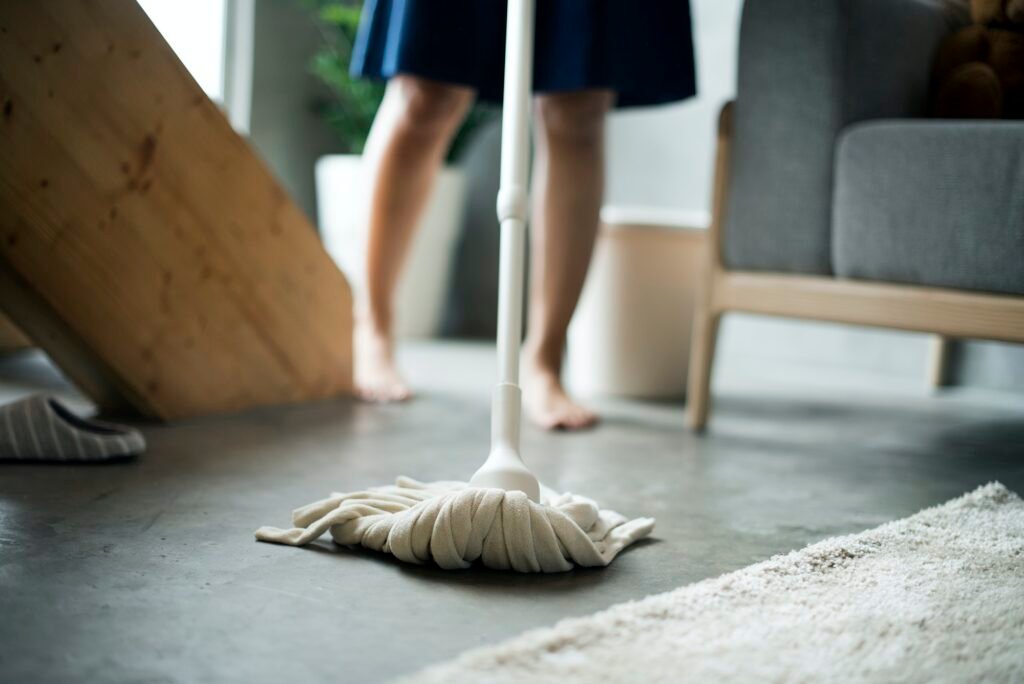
(661, 156)
(195, 29)
(283, 127)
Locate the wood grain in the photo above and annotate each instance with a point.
(938, 361)
(953, 313)
(11, 337)
(706, 317)
(149, 228)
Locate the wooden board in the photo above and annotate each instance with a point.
(144, 234)
(953, 313)
(11, 338)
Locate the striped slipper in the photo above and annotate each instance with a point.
(40, 428)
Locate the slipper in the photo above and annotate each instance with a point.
(40, 428)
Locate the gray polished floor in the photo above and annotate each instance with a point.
(147, 570)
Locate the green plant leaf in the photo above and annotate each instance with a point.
(354, 101)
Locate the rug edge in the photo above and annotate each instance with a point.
(993, 492)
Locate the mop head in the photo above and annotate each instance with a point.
(455, 525)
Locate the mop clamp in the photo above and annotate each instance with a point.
(504, 468)
(513, 203)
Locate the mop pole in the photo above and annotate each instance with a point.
(512, 195)
(504, 468)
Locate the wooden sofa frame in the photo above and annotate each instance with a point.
(945, 313)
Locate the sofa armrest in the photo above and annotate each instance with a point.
(807, 70)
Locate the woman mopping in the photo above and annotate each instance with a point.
(438, 57)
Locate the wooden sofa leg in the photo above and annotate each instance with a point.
(707, 315)
(702, 356)
(938, 361)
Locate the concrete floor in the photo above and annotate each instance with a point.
(147, 570)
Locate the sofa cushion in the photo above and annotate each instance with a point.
(806, 70)
(931, 203)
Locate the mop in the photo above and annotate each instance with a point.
(503, 518)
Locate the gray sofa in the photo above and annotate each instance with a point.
(836, 199)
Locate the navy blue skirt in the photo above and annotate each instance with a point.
(641, 49)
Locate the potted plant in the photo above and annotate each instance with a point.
(342, 193)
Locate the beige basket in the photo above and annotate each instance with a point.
(631, 332)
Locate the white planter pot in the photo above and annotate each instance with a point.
(343, 204)
(630, 335)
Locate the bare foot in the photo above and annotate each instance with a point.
(549, 406)
(376, 378)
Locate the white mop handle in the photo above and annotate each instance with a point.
(512, 195)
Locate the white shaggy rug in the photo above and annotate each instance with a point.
(937, 597)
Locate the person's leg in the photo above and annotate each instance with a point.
(568, 185)
(410, 136)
